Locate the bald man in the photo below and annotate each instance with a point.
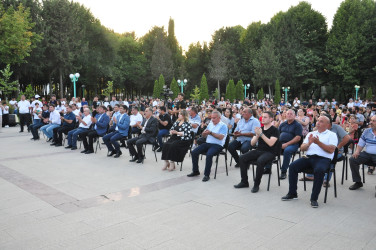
(320, 146)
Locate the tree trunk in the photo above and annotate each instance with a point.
(219, 92)
(270, 92)
(61, 82)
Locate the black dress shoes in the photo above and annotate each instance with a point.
(140, 160)
(255, 189)
(356, 185)
(84, 151)
(118, 154)
(193, 174)
(112, 153)
(89, 152)
(69, 146)
(58, 145)
(159, 149)
(206, 178)
(134, 159)
(73, 148)
(53, 144)
(241, 185)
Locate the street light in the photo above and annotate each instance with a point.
(286, 89)
(246, 86)
(74, 78)
(357, 87)
(182, 84)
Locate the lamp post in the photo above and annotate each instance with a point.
(286, 89)
(182, 83)
(246, 86)
(357, 87)
(74, 79)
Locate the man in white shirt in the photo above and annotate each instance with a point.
(83, 127)
(320, 146)
(136, 120)
(37, 101)
(54, 122)
(13, 102)
(350, 104)
(24, 113)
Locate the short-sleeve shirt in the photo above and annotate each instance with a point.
(164, 118)
(71, 117)
(181, 105)
(23, 107)
(289, 131)
(368, 140)
(195, 120)
(340, 132)
(220, 128)
(246, 127)
(327, 137)
(263, 146)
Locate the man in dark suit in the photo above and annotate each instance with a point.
(149, 131)
(121, 130)
(100, 121)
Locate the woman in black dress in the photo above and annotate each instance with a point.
(178, 144)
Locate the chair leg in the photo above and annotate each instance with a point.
(226, 164)
(155, 154)
(231, 161)
(96, 146)
(327, 185)
(270, 174)
(253, 172)
(364, 178)
(216, 166)
(335, 183)
(278, 176)
(343, 170)
(181, 165)
(347, 165)
(304, 181)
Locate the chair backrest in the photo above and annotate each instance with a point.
(346, 147)
(335, 157)
(227, 142)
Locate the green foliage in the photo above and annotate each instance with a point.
(196, 94)
(7, 86)
(204, 91)
(369, 94)
(230, 91)
(216, 94)
(161, 83)
(16, 35)
(109, 89)
(239, 90)
(156, 92)
(174, 88)
(29, 92)
(277, 92)
(260, 94)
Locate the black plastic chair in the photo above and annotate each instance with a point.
(345, 159)
(154, 147)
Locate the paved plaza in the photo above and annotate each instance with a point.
(54, 198)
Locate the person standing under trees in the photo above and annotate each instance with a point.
(23, 110)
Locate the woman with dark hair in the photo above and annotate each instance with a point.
(227, 118)
(303, 120)
(333, 116)
(175, 149)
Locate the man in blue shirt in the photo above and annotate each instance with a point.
(68, 122)
(215, 134)
(243, 134)
(291, 132)
(368, 140)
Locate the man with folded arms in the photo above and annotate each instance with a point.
(215, 134)
(121, 125)
(101, 121)
(368, 140)
(54, 121)
(85, 123)
(68, 122)
(320, 146)
(268, 147)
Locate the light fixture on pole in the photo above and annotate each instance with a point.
(246, 86)
(357, 87)
(286, 89)
(182, 83)
(74, 79)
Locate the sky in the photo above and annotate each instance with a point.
(195, 20)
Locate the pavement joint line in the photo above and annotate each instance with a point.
(227, 215)
(36, 156)
(282, 219)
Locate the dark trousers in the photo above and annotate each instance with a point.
(210, 149)
(236, 145)
(261, 158)
(319, 165)
(138, 142)
(5, 120)
(363, 158)
(111, 141)
(25, 118)
(90, 134)
(34, 129)
(58, 133)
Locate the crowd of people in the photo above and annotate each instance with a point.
(253, 132)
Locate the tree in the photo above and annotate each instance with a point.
(161, 83)
(109, 89)
(29, 92)
(7, 86)
(204, 92)
(230, 91)
(174, 88)
(277, 93)
(260, 94)
(369, 94)
(16, 36)
(161, 62)
(196, 94)
(239, 90)
(218, 64)
(176, 51)
(156, 92)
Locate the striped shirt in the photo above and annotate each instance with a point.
(368, 140)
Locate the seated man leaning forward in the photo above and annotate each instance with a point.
(149, 131)
(121, 124)
(320, 146)
(215, 134)
(268, 148)
(368, 140)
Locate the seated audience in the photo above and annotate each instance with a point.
(54, 121)
(164, 125)
(85, 123)
(44, 118)
(68, 123)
